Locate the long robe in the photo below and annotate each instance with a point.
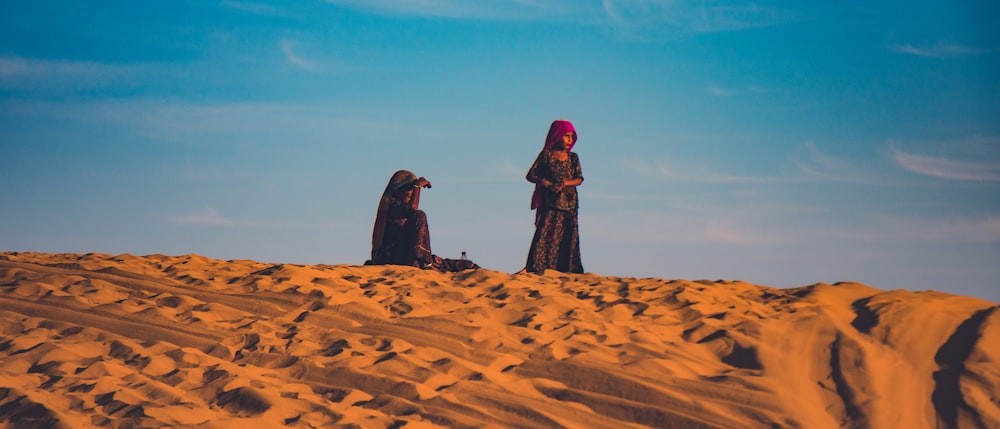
(401, 235)
(556, 243)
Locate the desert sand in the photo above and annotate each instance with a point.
(186, 341)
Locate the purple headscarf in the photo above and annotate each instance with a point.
(558, 129)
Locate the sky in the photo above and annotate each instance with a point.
(782, 143)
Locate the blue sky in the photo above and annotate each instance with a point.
(782, 143)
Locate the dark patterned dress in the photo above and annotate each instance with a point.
(407, 238)
(556, 244)
(407, 241)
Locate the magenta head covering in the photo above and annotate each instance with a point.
(558, 129)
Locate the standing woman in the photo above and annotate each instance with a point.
(556, 174)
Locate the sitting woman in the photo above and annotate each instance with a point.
(401, 236)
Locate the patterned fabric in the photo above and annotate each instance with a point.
(407, 240)
(398, 180)
(558, 129)
(556, 244)
(401, 235)
(556, 171)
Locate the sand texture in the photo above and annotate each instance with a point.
(186, 341)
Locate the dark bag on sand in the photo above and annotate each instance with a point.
(454, 265)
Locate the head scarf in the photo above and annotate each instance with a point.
(398, 180)
(558, 129)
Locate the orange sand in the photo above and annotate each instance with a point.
(160, 341)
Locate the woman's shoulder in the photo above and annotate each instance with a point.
(396, 204)
(545, 157)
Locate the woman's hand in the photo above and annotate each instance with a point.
(422, 183)
(568, 183)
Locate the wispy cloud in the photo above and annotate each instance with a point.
(33, 74)
(815, 164)
(944, 168)
(240, 124)
(638, 18)
(644, 227)
(715, 89)
(718, 90)
(463, 9)
(808, 162)
(288, 48)
(940, 50)
(508, 169)
(665, 168)
(689, 16)
(731, 232)
(964, 229)
(750, 223)
(256, 8)
(209, 216)
(754, 223)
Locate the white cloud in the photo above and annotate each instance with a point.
(241, 124)
(256, 8)
(731, 223)
(639, 18)
(817, 165)
(730, 232)
(288, 48)
(463, 9)
(725, 91)
(717, 90)
(30, 74)
(666, 169)
(509, 170)
(940, 50)
(643, 227)
(763, 224)
(689, 16)
(209, 216)
(963, 229)
(810, 165)
(944, 168)
(311, 61)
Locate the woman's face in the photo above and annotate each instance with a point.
(565, 141)
(405, 194)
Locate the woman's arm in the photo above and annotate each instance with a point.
(417, 186)
(533, 173)
(577, 179)
(415, 199)
(572, 182)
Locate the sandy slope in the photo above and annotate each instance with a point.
(159, 341)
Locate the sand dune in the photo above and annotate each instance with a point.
(161, 341)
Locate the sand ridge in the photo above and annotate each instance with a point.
(187, 341)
